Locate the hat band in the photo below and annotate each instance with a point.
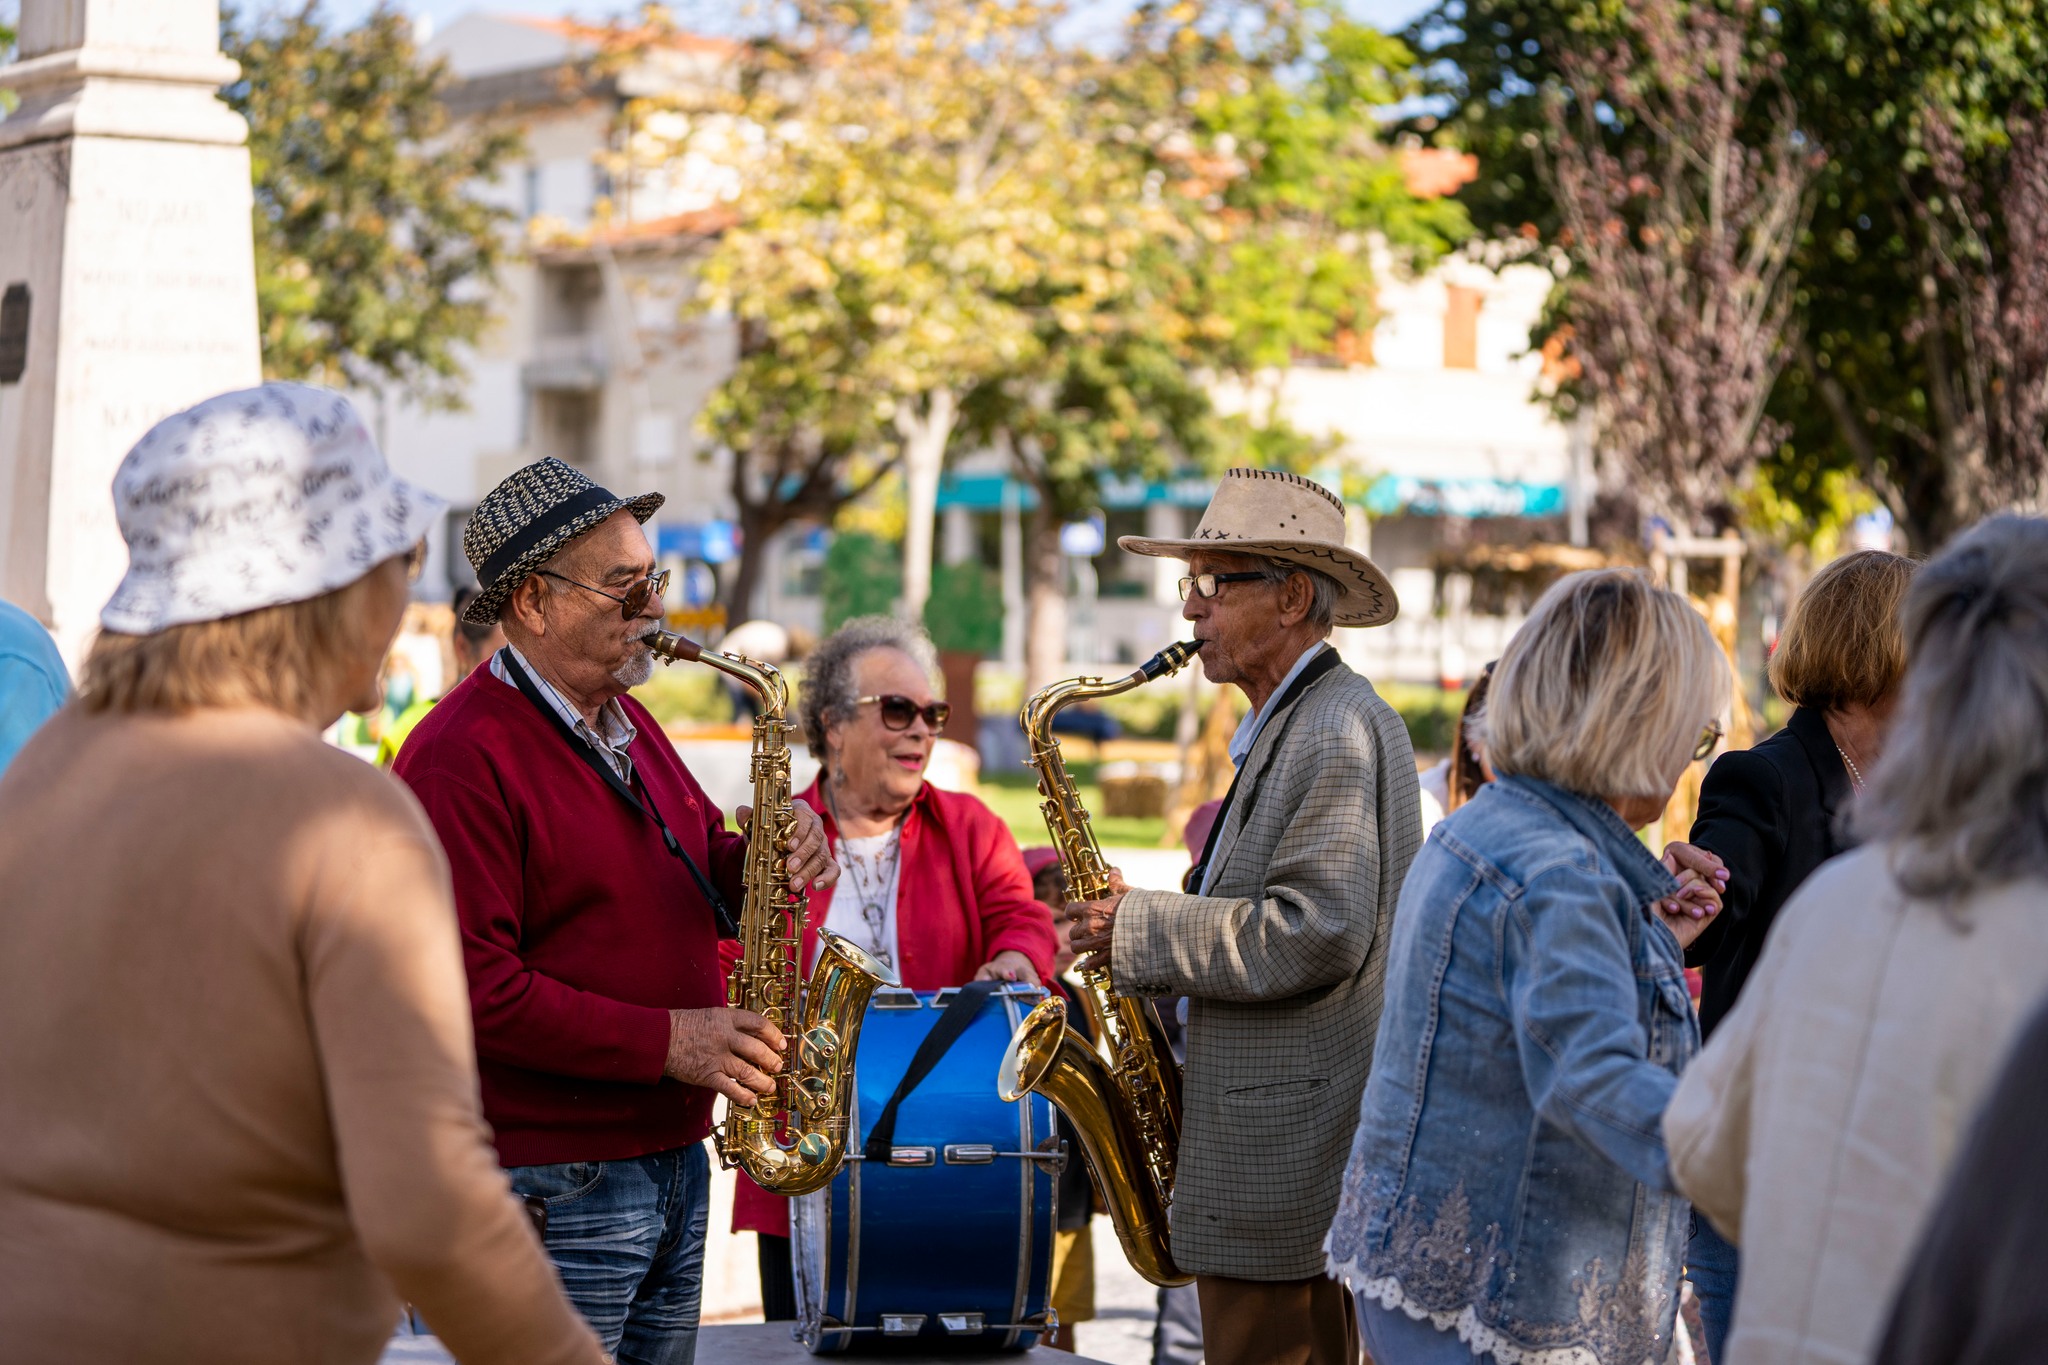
(529, 537)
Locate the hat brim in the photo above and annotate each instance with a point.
(217, 584)
(1366, 597)
(488, 605)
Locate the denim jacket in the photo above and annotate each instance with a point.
(1508, 1179)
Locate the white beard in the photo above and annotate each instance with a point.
(635, 670)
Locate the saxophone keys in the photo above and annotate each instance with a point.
(820, 1046)
(813, 1149)
(814, 1096)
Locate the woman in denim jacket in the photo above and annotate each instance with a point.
(1507, 1190)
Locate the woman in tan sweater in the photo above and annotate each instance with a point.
(237, 1090)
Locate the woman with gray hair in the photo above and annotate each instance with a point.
(1507, 1190)
(1816, 1128)
(933, 883)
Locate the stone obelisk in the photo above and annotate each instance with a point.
(127, 282)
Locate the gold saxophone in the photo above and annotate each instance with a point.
(1122, 1096)
(792, 1141)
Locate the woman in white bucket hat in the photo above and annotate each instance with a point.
(236, 1074)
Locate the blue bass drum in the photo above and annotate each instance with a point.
(951, 1239)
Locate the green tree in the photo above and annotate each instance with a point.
(862, 577)
(1875, 386)
(375, 260)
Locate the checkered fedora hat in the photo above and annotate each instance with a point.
(524, 521)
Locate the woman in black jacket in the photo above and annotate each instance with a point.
(1771, 813)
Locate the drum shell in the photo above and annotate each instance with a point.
(949, 1238)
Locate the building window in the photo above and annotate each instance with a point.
(566, 422)
(1461, 327)
(532, 191)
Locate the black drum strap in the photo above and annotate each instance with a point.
(959, 1013)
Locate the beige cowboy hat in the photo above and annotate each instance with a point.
(1286, 517)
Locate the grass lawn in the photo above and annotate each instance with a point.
(1014, 796)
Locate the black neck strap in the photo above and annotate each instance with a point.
(1317, 667)
(641, 799)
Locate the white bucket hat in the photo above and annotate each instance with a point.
(254, 499)
(1283, 516)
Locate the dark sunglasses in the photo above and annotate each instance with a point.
(899, 711)
(636, 598)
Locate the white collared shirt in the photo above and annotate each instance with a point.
(609, 737)
(1246, 735)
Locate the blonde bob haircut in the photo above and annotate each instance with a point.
(274, 656)
(1606, 688)
(1842, 644)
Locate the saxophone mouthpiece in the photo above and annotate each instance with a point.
(1170, 659)
(675, 648)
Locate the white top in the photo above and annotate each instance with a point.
(863, 908)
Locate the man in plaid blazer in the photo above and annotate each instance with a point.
(1280, 942)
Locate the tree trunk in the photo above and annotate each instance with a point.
(754, 536)
(758, 522)
(924, 453)
(1045, 571)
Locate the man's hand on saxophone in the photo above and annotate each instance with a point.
(810, 856)
(1092, 924)
(735, 1052)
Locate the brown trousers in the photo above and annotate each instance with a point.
(1277, 1322)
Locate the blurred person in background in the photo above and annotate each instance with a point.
(472, 645)
(236, 1073)
(33, 683)
(933, 882)
(1459, 775)
(1773, 813)
(1817, 1127)
(1508, 1190)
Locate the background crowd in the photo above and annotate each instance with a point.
(333, 1004)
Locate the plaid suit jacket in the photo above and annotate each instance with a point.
(1283, 964)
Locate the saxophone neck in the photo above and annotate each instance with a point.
(766, 680)
(1047, 702)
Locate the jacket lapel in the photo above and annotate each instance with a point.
(1810, 727)
(1270, 735)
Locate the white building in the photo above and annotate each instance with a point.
(1441, 444)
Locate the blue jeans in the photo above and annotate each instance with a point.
(627, 1238)
(1711, 1264)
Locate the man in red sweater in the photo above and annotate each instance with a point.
(592, 876)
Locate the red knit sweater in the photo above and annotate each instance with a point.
(580, 932)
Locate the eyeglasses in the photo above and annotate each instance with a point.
(1710, 738)
(636, 598)
(898, 711)
(1205, 584)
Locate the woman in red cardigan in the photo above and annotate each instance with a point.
(933, 883)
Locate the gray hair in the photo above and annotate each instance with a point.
(1323, 589)
(1961, 793)
(828, 691)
